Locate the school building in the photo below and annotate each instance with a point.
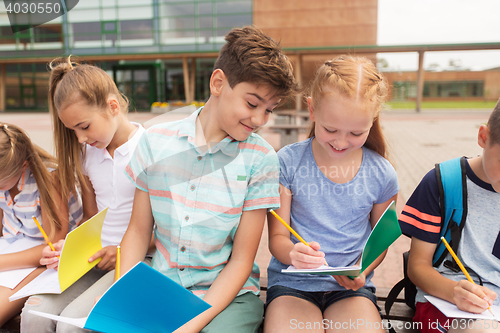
(164, 50)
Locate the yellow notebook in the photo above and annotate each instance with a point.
(79, 246)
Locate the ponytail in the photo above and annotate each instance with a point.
(68, 150)
(72, 82)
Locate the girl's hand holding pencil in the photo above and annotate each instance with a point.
(50, 258)
(304, 255)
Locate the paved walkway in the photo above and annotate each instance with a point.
(417, 141)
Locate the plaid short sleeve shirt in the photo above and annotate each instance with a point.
(198, 195)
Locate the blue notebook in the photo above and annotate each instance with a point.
(141, 301)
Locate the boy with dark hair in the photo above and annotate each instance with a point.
(206, 182)
(478, 248)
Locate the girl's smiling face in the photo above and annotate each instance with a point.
(342, 125)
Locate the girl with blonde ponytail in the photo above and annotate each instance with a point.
(94, 142)
(28, 188)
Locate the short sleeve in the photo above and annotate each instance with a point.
(263, 186)
(391, 187)
(421, 217)
(137, 169)
(285, 162)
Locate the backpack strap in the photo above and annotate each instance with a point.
(451, 178)
(410, 292)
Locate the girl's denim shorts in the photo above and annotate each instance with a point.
(322, 299)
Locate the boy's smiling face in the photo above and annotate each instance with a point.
(240, 110)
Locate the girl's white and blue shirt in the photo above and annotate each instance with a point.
(18, 211)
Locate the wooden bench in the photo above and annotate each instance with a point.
(401, 314)
(400, 318)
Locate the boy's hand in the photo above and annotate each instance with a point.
(305, 257)
(108, 258)
(49, 257)
(348, 283)
(471, 297)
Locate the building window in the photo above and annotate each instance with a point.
(454, 89)
(6, 35)
(136, 29)
(86, 31)
(47, 33)
(109, 27)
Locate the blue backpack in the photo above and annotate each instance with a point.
(451, 179)
(451, 176)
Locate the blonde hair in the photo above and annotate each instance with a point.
(15, 149)
(355, 78)
(71, 82)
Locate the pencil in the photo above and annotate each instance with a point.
(291, 230)
(467, 275)
(44, 234)
(117, 268)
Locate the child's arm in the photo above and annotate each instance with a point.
(232, 278)
(137, 239)
(31, 257)
(359, 281)
(1, 223)
(280, 245)
(467, 296)
(88, 201)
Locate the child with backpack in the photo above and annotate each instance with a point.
(470, 222)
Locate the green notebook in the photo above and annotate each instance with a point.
(386, 231)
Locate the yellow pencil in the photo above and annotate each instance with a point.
(467, 275)
(44, 234)
(291, 230)
(117, 268)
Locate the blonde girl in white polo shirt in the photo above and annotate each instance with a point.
(94, 142)
(28, 189)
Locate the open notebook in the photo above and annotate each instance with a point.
(12, 278)
(385, 232)
(79, 246)
(143, 300)
(450, 310)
